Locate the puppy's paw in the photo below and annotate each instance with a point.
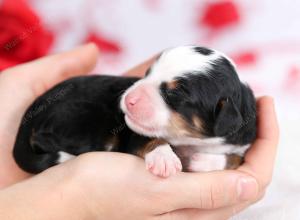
(162, 161)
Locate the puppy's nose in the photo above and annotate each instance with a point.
(138, 103)
(131, 100)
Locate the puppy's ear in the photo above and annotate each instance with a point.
(228, 118)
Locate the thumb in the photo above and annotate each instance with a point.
(209, 190)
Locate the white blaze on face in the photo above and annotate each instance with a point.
(150, 115)
(178, 61)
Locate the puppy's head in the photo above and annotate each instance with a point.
(188, 92)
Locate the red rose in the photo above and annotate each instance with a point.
(106, 46)
(22, 38)
(245, 58)
(221, 14)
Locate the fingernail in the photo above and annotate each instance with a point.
(247, 188)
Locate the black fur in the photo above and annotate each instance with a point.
(77, 116)
(200, 94)
(203, 50)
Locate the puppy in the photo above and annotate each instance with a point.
(190, 112)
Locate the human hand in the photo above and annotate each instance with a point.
(213, 195)
(259, 161)
(117, 186)
(20, 85)
(111, 182)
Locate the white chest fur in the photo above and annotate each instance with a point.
(205, 154)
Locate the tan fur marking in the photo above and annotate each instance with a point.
(172, 84)
(149, 147)
(222, 103)
(233, 161)
(180, 127)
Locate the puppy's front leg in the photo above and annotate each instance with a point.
(160, 159)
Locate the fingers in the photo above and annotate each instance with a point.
(141, 69)
(43, 73)
(259, 160)
(196, 214)
(20, 85)
(221, 213)
(209, 190)
(267, 121)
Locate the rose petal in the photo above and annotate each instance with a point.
(105, 45)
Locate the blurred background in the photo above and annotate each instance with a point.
(262, 37)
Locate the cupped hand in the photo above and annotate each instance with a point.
(20, 85)
(117, 186)
(121, 187)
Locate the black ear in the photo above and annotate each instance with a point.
(228, 118)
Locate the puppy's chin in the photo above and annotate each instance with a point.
(146, 130)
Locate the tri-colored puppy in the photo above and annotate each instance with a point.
(189, 112)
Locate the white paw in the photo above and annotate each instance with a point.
(163, 162)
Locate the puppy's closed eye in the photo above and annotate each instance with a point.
(173, 94)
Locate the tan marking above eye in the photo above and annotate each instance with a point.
(222, 103)
(172, 84)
